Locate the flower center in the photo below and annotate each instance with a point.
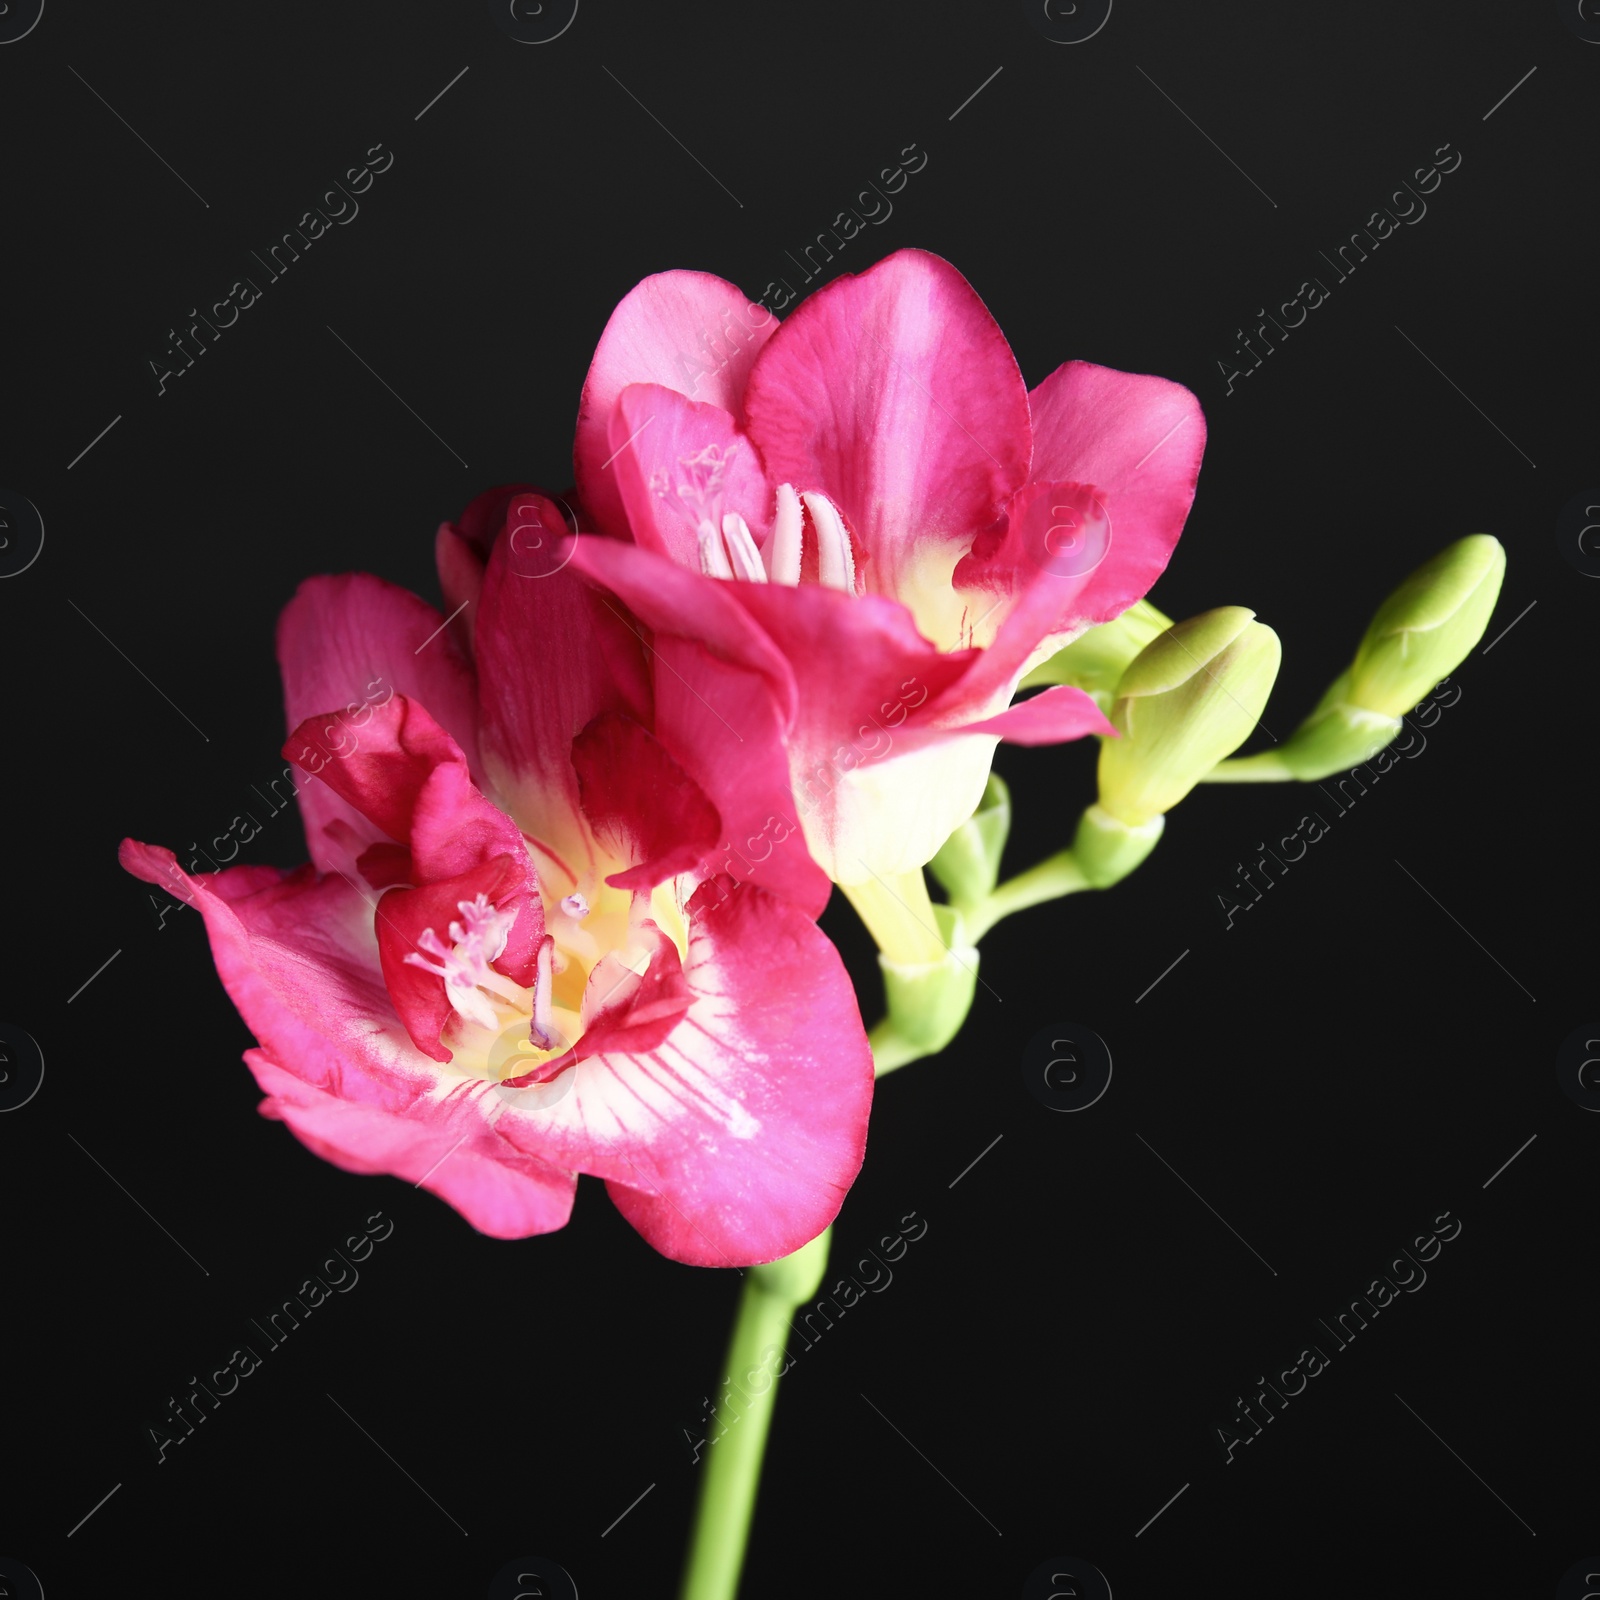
(588, 957)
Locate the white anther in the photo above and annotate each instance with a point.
(783, 554)
(575, 906)
(836, 566)
(742, 552)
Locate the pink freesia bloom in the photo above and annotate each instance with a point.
(512, 959)
(867, 506)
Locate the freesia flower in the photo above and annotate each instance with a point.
(866, 505)
(511, 959)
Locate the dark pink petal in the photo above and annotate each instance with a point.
(418, 996)
(379, 769)
(454, 830)
(347, 644)
(861, 667)
(894, 393)
(641, 803)
(679, 600)
(725, 724)
(1138, 439)
(1029, 574)
(460, 581)
(553, 654)
(678, 463)
(447, 1148)
(736, 1139)
(385, 865)
(1050, 717)
(689, 331)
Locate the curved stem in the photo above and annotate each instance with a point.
(738, 1438)
(1267, 767)
(1059, 875)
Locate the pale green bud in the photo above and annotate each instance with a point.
(1188, 699)
(968, 863)
(1096, 660)
(1426, 628)
(1335, 737)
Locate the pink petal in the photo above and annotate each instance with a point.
(725, 723)
(894, 393)
(553, 654)
(641, 802)
(679, 600)
(1138, 439)
(1050, 717)
(679, 463)
(736, 1139)
(690, 331)
(1031, 572)
(450, 1150)
(351, 642)
(299, 959)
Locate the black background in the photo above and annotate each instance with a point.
(1340, 1066)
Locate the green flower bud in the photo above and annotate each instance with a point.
(1426, 628)
(1096, 659)
(1335, 737)
(968, 862)
(1189, 698)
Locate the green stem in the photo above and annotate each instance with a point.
(1267, 767)
(1049, 880)
(721, 1531)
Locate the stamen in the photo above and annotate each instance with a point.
(575, 906)
(783, 554)
(713, 558)
(742, 550)
(477, 939)
(836, 566)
